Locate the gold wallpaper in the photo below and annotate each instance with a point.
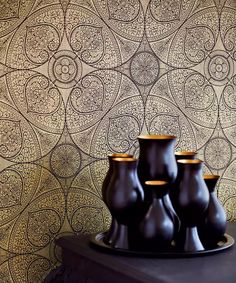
(83, 78)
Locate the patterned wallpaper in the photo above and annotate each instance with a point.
(83, 78)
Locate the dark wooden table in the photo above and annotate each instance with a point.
(84, 264)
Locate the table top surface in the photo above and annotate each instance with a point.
(213, 268)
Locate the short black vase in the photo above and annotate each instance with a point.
(191, 203)
(214, 223)
(157, 229)
(111, 233)
(178, 156)
(124, 198)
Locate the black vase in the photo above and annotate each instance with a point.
(157, 229)
(111, 233)
(156, 158)
(157, 162)
(214, 223)
(124, 198)
(192, 202)
(179, 155)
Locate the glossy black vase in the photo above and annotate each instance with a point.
(156, 158)
(157, 162)
(124, 198)
(111, 233)
(192, 202)
(157, 229)
(179, 155)
(214, 223)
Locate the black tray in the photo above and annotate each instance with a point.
(96, 241)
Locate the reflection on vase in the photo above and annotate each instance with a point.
(213, 226)
(192, 202)
(124, 198)
(111, 233)
(157, 227)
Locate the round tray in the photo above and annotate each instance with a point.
(96, 241)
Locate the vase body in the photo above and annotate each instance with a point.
(124, 198)
(191, 203)
(156, 158)
(214, 223)
(111, 233)
(157, 227)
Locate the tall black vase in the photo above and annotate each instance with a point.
(178, 156)
(157, 227)
(111, 233)
(124, 198)
(156, 158)
(192, 202)
(213, 226)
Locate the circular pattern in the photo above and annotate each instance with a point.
(18, 184)
(76, 90)
(18, 141)
(193, 41)
(195, 96)
(36, 39)
(218, 153)
(165, 17)
(65, 160)
(218, 67)
(64, 69)
(38, 100)
(13, 12)
(118, 130)
(90, 38)
(144, 68)
(163, 117)
(125, 18)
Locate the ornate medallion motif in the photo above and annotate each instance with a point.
(219, 67)
(65, 160)
(144, 68)
(64, 69)
(218, 153)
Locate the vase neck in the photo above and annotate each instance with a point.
(211, 181)
(158, 192)
(190, 169)
(124, 168)
(156, 145)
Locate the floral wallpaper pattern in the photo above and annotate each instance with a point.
(83, 78)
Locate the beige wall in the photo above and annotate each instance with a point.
(82, 79)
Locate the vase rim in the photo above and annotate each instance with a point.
(156, 183)
(190, 161)
(156, 137)
(125, 159)
(211, 177)
(120, 155)
(185, 153)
